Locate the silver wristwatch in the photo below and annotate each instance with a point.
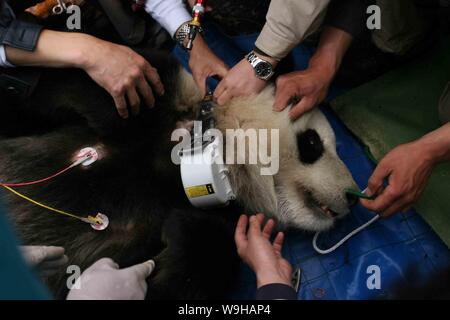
(263, 69)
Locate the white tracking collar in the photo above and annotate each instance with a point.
(203, 172)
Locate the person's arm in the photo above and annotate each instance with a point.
(118, 69)
(3, 61)
(15, 33)
(348, 15)
(407, 168)
(276, 291)
(172, 14)
(437, 143)
(345, 21)
(288, 22)
(310, 87)
(444, 105)
(273, 272)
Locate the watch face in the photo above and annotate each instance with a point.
(263, 69)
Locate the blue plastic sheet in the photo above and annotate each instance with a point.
(404, 248)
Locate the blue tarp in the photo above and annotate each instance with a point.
(404, 247)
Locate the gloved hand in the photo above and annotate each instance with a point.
(48, 260)
(105, 281)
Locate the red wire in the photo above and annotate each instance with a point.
(37, 181)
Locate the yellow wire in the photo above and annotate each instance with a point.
(92, 219)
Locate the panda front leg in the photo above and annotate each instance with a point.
(199, 260)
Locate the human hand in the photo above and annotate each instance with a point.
(306, 88)
(311, 85)
(118, 69)
(48, 260)
(123, 73)
(407, 168)
(239, 81)
(105, 281)
(263, 257)
(204, 64)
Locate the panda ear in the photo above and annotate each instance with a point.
(254, 191)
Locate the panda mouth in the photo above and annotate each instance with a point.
(323, 209)
(327, 211)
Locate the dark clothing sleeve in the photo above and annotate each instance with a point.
(348, 15)
(17, 281)
(16, 33)
(276, 291)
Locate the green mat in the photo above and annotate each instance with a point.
(399, 107)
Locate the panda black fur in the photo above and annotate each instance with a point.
(135, 184)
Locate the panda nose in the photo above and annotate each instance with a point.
(352, 199)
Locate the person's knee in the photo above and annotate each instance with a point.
(444, 105)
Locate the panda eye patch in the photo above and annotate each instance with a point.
(310, 146)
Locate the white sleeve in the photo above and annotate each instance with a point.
(171, 14)
(3, 61)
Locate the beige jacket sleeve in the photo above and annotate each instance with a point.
(288, 23)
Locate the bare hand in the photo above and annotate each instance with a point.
(240, 81)
(263, 257)
(311, 85)
(204, 64)
(408, 168)
(309, 88)
(124, 74)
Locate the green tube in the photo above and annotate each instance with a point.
(370, 155)
(359, 194)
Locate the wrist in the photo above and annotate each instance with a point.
(266, 277)
(435, 146)
(84, 51)
(262, 66)
(183, 33)
(326, 63)
(199, 45)
(54, 49)
(274, 62)
(333, 45)
(73, 50)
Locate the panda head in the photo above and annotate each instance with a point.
(310, 185)
(308, 189)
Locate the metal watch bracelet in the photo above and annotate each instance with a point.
(182, 33)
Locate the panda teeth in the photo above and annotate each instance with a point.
(325, 209)
(329, 212)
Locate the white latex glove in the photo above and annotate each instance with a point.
(105, 281)
(47, 260)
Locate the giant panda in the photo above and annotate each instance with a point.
(139, 188)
